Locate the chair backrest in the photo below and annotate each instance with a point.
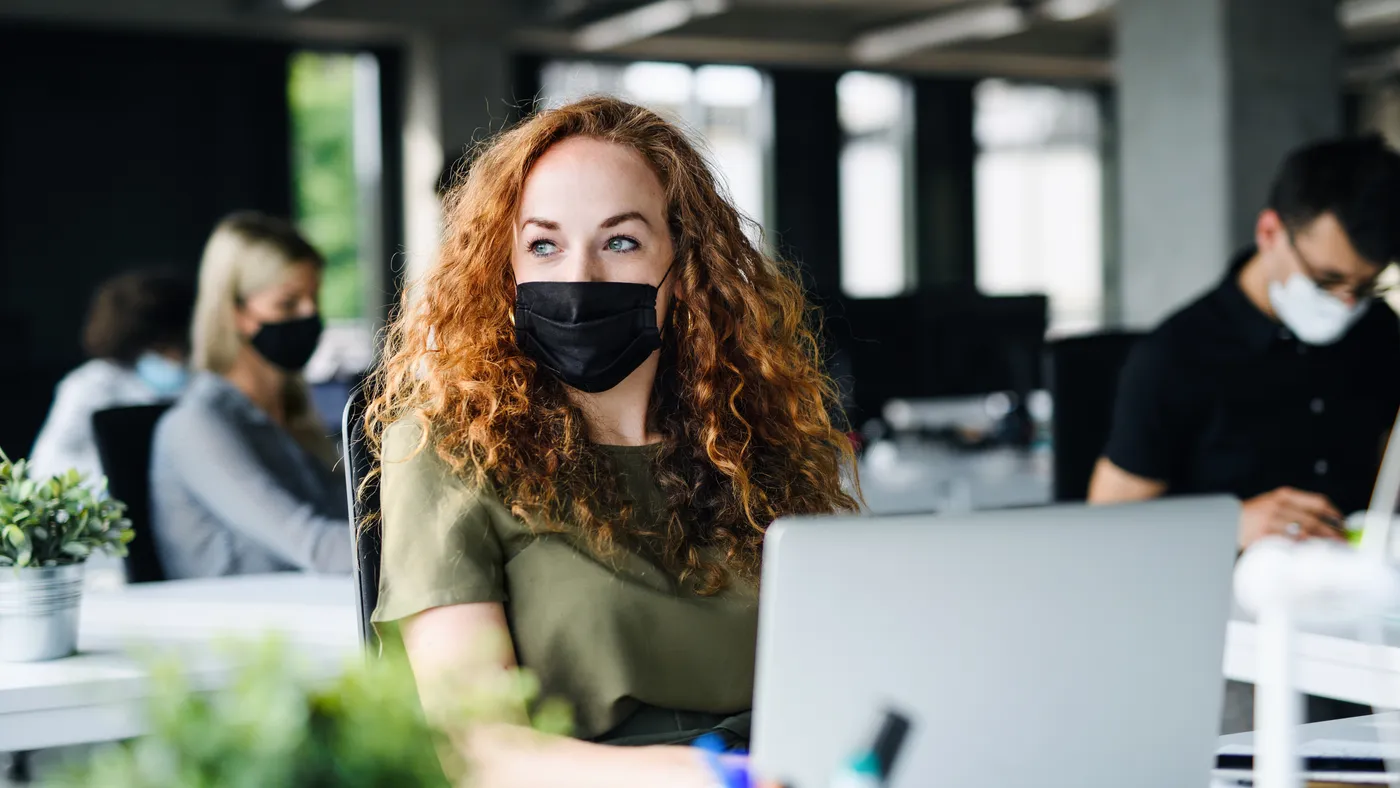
(123, 437)
(364, 512)
(1083, 377)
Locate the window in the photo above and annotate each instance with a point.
(1039, 199)
(876, 112)
(1380, 114)
(333, 100)
(727, 108)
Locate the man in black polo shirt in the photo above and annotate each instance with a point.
(1281, 384)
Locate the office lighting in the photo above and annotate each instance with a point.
(972, 24)
(298, 5)
(644, 22)
(1070, 10)
(1363, 13)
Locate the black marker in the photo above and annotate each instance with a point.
(872, 767)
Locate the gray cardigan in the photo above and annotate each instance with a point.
(232, 493)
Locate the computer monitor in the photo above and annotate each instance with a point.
(939, 343)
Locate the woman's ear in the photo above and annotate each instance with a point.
(244, 324)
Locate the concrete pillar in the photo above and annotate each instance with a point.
(458, 93)
(945, 154)
(1212, 95)
(806, 175)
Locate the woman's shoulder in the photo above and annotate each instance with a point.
(101, 379)
(405, 438)
(206, 412)
(97, 371)
(210, 395)
(413, 469)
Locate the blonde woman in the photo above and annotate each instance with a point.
(241, 479)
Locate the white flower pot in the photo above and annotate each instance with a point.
(39, 612)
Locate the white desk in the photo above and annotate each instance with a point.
(1355, 738)
(100, 694)
(898, 477)
(1332, 663)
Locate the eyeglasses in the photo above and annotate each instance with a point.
(1337, 286)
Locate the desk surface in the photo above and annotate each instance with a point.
(912, 476)
(305, 609)
(1332, 662)
(99, 695)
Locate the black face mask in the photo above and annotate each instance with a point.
(590, 335)
(288, 344)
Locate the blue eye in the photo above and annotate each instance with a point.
(621, 243)
(542, 248)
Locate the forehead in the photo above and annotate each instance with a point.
(582, 176)
(1327, 244)
(294, 279)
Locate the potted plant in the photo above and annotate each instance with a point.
(274, 728)
(48, 529)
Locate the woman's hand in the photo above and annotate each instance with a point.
(510, 756)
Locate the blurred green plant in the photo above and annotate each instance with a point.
(275, 728)
(321, 97)
(57, 521)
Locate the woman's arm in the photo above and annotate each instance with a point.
(467, 648)
(217, 466)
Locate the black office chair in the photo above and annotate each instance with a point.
(364, 512)
(1083, 378)
(123, 437)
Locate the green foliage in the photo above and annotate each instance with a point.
(272, 728)
(56, 521)
(320, 92)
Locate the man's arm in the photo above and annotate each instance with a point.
(1283, 512)
(1111, 484)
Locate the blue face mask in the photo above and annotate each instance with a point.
(160, 373)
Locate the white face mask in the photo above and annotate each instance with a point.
(1314, 315)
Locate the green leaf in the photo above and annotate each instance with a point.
(57, 520)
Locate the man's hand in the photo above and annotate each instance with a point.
(1290, 513)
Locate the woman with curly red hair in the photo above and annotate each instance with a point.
(588, 416)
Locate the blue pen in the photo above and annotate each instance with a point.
(731, 775)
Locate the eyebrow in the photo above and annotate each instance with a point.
(625, 217)
(607, 223)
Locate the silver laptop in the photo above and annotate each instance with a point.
(1064, 646)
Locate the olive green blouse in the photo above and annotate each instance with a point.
(618, 638)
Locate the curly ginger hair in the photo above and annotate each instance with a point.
(741, 399)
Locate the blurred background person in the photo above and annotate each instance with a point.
(137, 336)
(1280, 385)
(241, 471)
